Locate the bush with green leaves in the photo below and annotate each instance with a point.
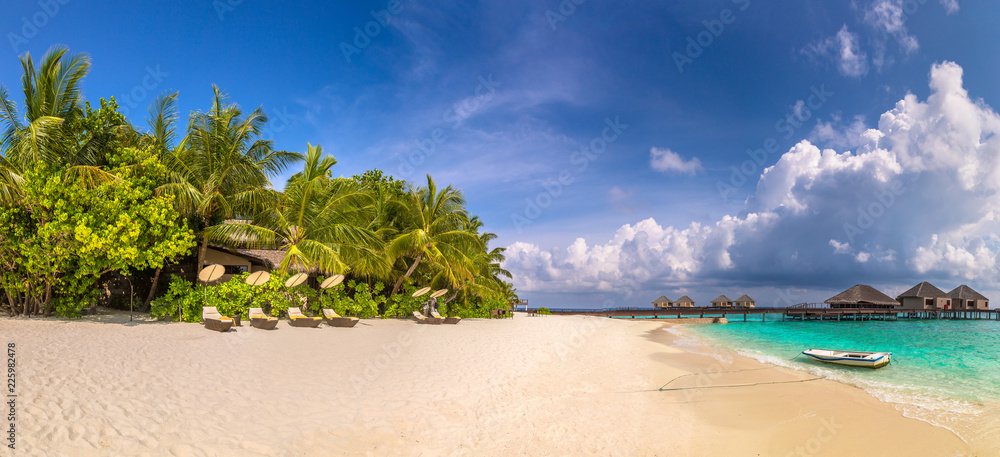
(544, 310)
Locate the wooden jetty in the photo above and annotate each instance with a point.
(802, 311)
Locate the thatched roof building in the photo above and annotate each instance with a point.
(685, 302)
(663, 302)
(745, 302)
(924, 296)
(964, 297)
(722, 301)
(861, 296)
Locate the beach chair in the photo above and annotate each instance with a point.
(297, 319)
(214, 320)
(421, 319)
(262, 321)
(336, 320)
(446, 320)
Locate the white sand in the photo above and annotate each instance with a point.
(527, 386)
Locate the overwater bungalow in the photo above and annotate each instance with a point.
(722, 301)
(861, 296)
(924, 296)
(684, 302)
(963, 297)
(663, 302)
(745, 302)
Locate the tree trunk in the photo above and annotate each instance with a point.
(201, 252)
(409, 272)
(152, 290)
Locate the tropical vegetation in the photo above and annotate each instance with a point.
(86, 195)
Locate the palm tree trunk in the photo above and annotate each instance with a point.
(201, 253)
(152, 290)
(409, 272)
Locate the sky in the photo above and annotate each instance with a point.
(621, 150)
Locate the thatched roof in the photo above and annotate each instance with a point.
(745, 298)
(861, 294)
(923, 290)
(685, 299)
(965, 292)
(271, 258)
(662, 299)
(721, 299)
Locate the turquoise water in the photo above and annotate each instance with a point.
(944, 372)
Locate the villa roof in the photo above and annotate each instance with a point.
(859, 294)
(685, 299)
(923, 290)
(271, 258)
(662, 299)
(745, 298)
(721, 299)
(965, 292)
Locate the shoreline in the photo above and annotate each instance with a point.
(822, 403)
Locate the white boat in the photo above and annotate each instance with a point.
(850, 358)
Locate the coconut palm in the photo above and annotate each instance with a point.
(319, 222)
(433, 229)
(222, 166)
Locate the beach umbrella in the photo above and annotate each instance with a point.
(257, 279)
(421, 292)
(296, 280)
(206, 275)
(332, 281)
(439, 293)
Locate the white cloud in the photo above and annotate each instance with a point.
(950, 6)
(845, 50)
(838, 134)
(915, 199)
(668, 161)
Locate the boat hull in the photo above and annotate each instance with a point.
(850, 358)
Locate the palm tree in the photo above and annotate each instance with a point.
(434, 229)
(319, 222)
(222, 166)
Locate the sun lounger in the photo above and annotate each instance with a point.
(421, 319)
(335, 320)
(262, 321)
(297, 319)
(215, 321)
(447, 320)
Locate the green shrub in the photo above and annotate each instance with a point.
(544, 310)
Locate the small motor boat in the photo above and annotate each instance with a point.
(850, 358)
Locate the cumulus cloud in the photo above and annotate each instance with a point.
(837, 133)
(669, 161)
(950, 6)
(915, 199)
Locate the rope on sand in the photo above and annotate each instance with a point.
(664, 389)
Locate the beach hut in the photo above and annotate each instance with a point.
(745, 302)
(684, 302)
(722, 301)
(861, 296)
(924, 296)
(663, 302)
(963, 297)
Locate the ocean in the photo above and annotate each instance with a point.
(944, 372)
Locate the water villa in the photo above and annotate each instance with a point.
(862, 296)
(663, 302)
(745, 302)
(963, 297)
(722, 301)
(684, 302)
(924, 296)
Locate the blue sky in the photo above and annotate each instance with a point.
(506, 99)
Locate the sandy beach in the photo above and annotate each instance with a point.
(551, 385)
